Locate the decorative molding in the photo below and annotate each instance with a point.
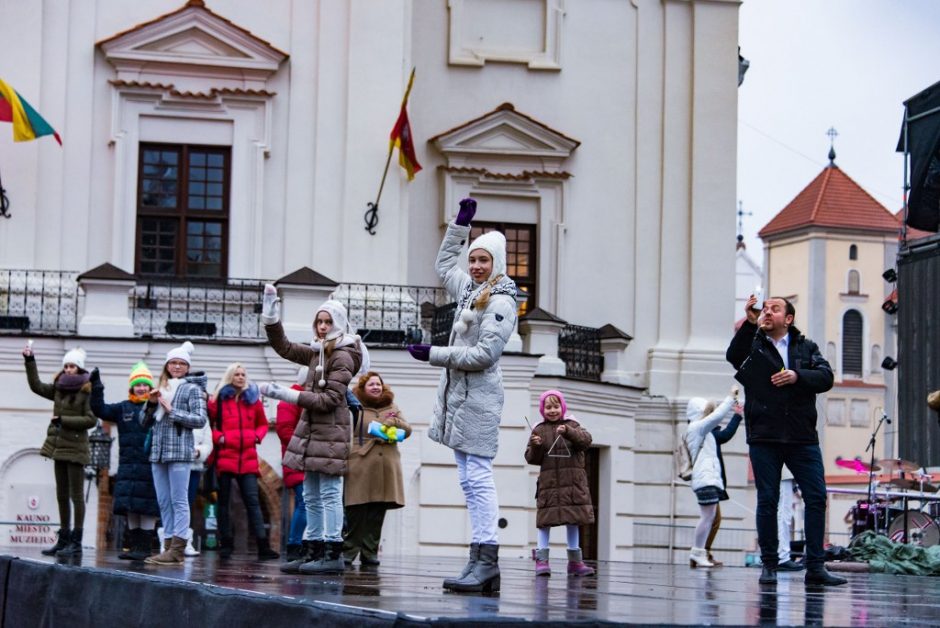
(192, 44)
(528, 32)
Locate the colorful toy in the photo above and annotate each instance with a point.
(386, 432)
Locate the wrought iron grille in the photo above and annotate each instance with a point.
(390, 315)
(580, 349)
(442, 323)
(215, 309)
(45, 301)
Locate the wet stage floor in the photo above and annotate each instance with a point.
(621, 592)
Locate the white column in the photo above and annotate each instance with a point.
(106, 312)
(613, 345)
(539, 331)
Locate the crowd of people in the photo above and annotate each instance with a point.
(340, 431)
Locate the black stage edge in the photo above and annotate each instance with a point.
(37, 593)
(41, 594)
(100, 590)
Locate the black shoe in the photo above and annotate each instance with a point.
(265, 552)
(790, 565)
(819, 576)
(74, 547)
(311, 550)
(366, 561)
(226, 547)
(331, 562)
(61, 542)
(768, 575)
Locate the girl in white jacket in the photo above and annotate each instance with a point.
(706, 468)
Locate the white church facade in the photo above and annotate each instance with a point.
(209, 147)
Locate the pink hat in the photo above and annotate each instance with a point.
(550, 393)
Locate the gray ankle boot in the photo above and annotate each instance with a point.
(484, 577)
(474, 557)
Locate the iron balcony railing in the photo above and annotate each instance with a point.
(43, 301)
(391, 315)
(229, 308)
(580, 349)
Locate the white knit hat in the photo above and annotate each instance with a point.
(494, 243)
(337, 312)
(75, 356)
(183, 352)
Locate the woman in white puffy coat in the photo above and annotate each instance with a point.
(707, 483)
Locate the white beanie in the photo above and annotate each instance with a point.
(337, 312)
(494, 243)
(183, 352)
(75, 356)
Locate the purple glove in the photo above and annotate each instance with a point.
(420, 352)
(468, 207)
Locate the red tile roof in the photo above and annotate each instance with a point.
(832, 200)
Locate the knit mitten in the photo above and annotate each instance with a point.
(420, 352)
(270, 389)
(468, 207)
(270, 305)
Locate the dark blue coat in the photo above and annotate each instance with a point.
(133, 490)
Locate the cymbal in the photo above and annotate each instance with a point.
(896, 464)
(854, 464)
(913, 485)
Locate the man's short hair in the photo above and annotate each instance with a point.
(789, 309)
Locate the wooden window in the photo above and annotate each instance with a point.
(852, 343)
(521, 256)
(183, 211)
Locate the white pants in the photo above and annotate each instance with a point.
(476, 479)
(784, 520)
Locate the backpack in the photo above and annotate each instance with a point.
(684, 461)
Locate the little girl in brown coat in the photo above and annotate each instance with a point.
(563, 497)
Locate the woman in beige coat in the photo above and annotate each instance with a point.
(374, 483)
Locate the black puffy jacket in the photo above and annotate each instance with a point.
(785, 414)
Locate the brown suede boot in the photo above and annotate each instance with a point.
(173, 555)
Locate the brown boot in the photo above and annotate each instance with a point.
(173, 555)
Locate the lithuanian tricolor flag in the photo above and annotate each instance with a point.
(27, 123)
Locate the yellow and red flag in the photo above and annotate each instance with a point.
(401, 136)
(27, 123)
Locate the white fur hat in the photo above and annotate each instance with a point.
(337, 312)
(183, 352)
(75, 356)
(494, 243)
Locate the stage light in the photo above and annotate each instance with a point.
(889, 363)
(890, 275)
(890, 306)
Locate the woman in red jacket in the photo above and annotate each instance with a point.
(238, 426)
(287, 417)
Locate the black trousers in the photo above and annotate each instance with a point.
(364, 530)
(248, 485)
(69, 477)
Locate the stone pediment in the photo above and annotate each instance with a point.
(192, 42)
(505, 134)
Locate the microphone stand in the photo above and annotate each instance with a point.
(871, 469)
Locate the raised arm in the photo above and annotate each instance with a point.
(110, 412)
(292, 351)
(454, 278)
(32, 377)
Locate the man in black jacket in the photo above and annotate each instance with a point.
(782, 372)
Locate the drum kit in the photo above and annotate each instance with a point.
(887, 508)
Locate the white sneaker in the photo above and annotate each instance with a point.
(189, 550)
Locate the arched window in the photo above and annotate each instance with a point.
(854, 282)
(852, 343)
(853, 252)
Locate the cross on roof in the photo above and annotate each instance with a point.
(741, 214)
(833, 134)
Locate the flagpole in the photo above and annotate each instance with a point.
(372, 214)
